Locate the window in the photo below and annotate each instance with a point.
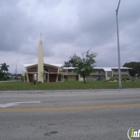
(123, 70)
(109, 73)
(69, 70)
(65, 77)
(115, 70)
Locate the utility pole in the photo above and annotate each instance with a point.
(119, 59)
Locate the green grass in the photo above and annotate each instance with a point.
(68, 85)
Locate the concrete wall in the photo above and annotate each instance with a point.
(71, 77)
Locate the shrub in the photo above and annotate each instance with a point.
(113, 79)
(124, 79)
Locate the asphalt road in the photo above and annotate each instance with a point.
(69, 115)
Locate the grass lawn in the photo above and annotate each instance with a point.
(68, 85)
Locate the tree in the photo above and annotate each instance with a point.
(67, 64)
(135, 68)
(84, 65)
(1, 75)
(4, 68)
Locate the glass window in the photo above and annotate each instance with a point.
(69, 70)
(123, 70)
(115, 70)
(109, 73)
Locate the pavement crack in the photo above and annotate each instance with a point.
(35, 131)
(50, 133)
(51, 124)
(33, 125)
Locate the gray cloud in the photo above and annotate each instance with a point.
(68, 27)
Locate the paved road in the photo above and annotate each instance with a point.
(69, 115)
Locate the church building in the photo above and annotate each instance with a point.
(44, 72)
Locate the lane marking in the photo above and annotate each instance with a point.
(71, 108)
(17, 103)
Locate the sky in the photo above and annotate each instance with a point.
(68, 27)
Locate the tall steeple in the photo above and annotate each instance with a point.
(40, 61)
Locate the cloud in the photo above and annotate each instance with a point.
(68, 27)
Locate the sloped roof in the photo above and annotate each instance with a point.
(110, 68)
(104, 68)
(55, 65)
(61, 65)
(28, 65)
(67, 68)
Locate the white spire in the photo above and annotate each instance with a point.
(40, 63)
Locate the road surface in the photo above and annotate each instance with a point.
(69, 115)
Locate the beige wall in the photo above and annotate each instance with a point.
(71, 77)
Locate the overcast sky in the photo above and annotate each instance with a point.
(68, 27)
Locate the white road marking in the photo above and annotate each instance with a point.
(17, 103)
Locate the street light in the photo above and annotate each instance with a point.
(119, 59)
(15, 70)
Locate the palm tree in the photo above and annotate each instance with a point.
(1, 75)
(4, 68)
